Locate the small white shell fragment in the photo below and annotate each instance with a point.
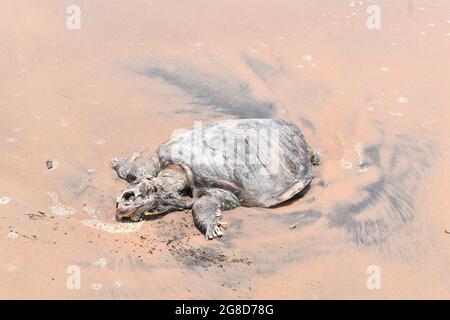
(4, 200)
(346, 164)
(403, 100)
(100, 141)
(96, 286)
(13, 235)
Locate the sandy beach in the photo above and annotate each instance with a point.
(374, 102)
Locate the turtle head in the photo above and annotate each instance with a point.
(138, 200)
(147, 198)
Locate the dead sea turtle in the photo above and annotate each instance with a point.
(217, 167)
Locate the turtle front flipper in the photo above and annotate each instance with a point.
(130, 170)
(316, 159)
(207, 211)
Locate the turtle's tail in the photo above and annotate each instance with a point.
(316, 159)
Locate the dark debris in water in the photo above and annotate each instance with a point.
(203, 257)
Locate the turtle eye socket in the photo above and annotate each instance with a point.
(129, 196)
(130, 178)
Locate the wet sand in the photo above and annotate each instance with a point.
(374, 102)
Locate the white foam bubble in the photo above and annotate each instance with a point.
(90, 210)
(101, 263)
(11, 139)
(113, 228)
(63, 122)
(58, 208)
(359, 148)
(427, 124)
(307, 57)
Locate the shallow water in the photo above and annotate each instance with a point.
(374, 102)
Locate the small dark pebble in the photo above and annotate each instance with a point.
(49, 164)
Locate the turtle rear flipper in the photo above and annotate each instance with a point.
(316, 159)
